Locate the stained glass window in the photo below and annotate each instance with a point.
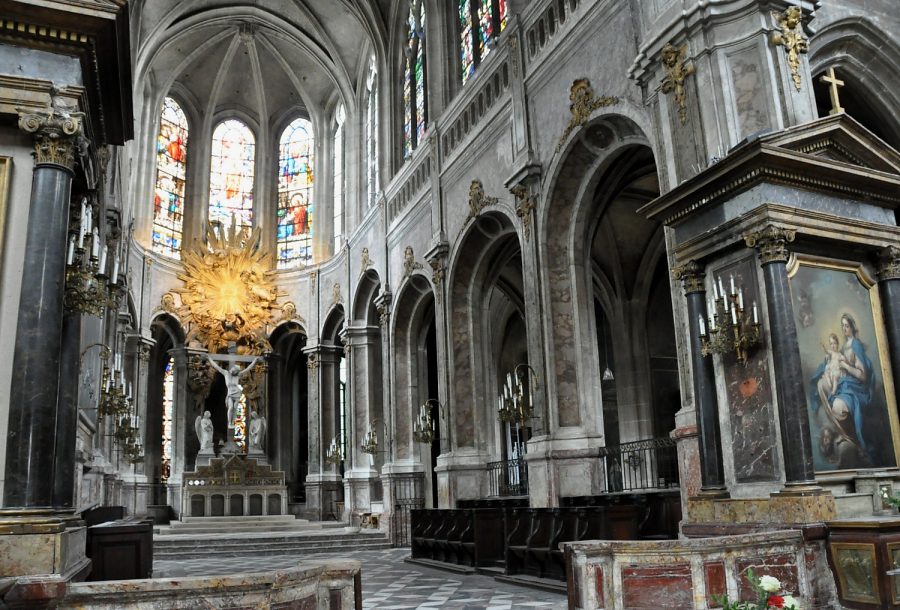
(168, 196)
(414, 79)
(167, 418)
(295, 192)
(231, 174)
(481, 22)
(338, 177)
(372, 133)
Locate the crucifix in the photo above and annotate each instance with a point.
(232, 375)
(833, 82)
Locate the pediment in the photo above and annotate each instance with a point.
(839, 139)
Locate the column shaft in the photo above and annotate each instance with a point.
(67, 413)
(890, 305)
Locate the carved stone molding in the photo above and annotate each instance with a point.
(364, 261)
(513, 53)
(57, 133)
(437, 271)
(384, 314)
(477, 199)
(336, 296)
(888, 263)
(673, 60)
(790, 36)
(312, 281)
(583, 103)
(771, 243)
(200, 376)
(167, 303)
(691, 275)
(410, 264)
(312, 363)
(524, 206)
(289, 312)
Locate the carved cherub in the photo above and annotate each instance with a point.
(676, 73)
(791, 38)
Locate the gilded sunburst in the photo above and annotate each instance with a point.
(228, 294)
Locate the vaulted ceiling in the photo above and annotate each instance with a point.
(260, 57)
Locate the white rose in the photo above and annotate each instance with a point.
(790, 603)
(769, 584)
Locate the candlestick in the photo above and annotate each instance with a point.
(721, 289)
(70, 256)
(741, 299)
(734, 316)
(102, 265)
(95, 244)
(115, 273)
(702, 325)
(712, 323)
(715, 291)
(755, 316)
(732, 284)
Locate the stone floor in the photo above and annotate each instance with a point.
(390, 584)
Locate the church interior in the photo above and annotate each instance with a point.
(595, 296)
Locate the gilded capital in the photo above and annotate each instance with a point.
(56, 134)
(771, 243)
(691, 275)
(888, 263)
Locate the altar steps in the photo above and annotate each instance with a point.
(198, 537)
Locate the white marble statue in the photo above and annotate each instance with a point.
(203, 426)
(257, 431)
(232, 383)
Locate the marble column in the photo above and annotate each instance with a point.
(790, 384)
(889, 287)
(32, 429)
(67, 412)
(712, 473)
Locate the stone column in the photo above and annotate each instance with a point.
(790, 384)
(889, 287)
(30, 473)
(712, 473)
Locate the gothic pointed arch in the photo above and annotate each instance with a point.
(289, 406)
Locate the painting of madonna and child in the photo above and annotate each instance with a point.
(852, 420)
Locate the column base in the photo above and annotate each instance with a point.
(42, 544)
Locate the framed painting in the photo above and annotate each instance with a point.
(843, 354)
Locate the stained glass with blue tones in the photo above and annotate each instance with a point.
(295, 195)
(171, 165)
(231, 175)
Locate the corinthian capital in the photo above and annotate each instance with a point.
(889, 263)
(691, 275)
(56, 131)
(771, 243)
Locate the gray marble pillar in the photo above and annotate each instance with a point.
(889, 286)
(790, 384)
(712, 473)
(67, 413)
(32, 428)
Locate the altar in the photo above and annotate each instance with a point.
(234, 485)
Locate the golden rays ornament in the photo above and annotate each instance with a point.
(229, 294)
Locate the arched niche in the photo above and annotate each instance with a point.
(287, 442)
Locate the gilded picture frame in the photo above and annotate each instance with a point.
(851, 403)
(5, 180)
(857, 571)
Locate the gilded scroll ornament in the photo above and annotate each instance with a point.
(790, 36)
(889, 263)
(771, 243)
(167, 303)
(228, 294)
(583, 102)
(410, 264)
(677, 71)
(524, 205)
(477, 199)
(57, 131)
(691, 275)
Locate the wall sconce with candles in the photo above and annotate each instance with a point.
(512, 406)
(116, 401)
(89, 289)
(424, 426)
(729, 328)
(334, 454)
(370, 441)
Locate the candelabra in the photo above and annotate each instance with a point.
(512, 406)
(334, 454)
(370, 441)
(89, 289)
(424, 426)
(729, 328)
(116, 402)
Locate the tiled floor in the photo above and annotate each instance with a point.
(391, 584)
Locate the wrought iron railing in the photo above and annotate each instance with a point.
(508, 478)
(640, 465)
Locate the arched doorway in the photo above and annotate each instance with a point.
(288, 439)
(165, 408)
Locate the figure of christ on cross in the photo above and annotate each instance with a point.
(232, 377)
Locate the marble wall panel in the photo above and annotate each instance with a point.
(750, 107)
(748, 400)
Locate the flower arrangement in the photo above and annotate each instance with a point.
(768, 597)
